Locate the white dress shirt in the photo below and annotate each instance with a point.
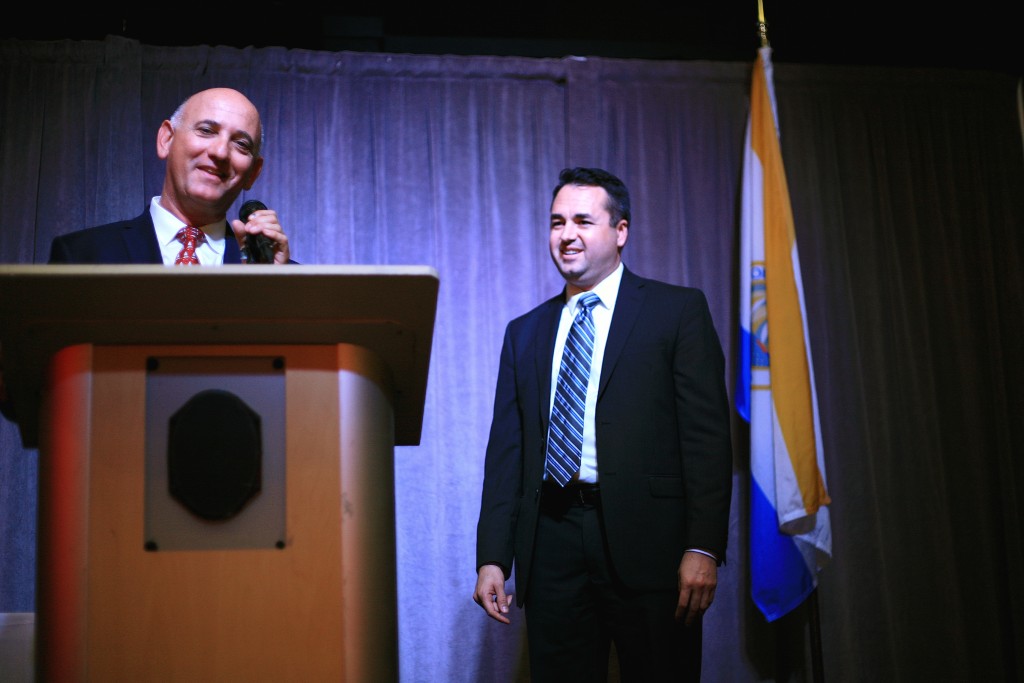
(210, 252)
(607, 291)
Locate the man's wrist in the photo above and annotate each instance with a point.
(504, 572)
(705, 552)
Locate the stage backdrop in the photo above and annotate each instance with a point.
(908, 194)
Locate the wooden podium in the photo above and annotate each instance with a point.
(216, 450)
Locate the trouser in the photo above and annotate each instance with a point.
(576, 608)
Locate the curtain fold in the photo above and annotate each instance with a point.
(907, 188)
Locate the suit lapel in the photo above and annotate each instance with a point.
(544, 349)
(627, 311)
(139, 237)
(232, 254)
(140, 240)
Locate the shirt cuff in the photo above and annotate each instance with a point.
(704, 552)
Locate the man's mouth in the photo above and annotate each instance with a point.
(212, 171)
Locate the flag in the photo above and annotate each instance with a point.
(790, 532)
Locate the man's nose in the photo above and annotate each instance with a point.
(218, 147)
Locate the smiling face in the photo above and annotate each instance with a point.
(211, 153)
(585, 245)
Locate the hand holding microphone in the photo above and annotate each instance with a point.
(258, 247)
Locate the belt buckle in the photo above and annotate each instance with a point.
(580, 497)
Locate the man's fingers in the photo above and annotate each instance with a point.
(497, 609)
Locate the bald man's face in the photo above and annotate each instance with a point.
(211, 155)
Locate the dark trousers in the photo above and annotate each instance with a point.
(576, 607)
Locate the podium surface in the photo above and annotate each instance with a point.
(387, 309)
(327, 366)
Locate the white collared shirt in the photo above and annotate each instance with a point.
(210, 252)
(608, 291)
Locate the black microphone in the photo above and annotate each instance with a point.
(258, 248)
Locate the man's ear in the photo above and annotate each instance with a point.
(253, 173)
(623, 233)
(164, 135)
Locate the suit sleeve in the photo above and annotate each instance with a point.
(702, 406)
(499, 503)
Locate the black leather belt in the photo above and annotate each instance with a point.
(574, 493)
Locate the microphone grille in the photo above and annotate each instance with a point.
(248, 208)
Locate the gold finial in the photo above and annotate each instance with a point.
(762, 26)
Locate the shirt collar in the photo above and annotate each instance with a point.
(607, 290)
(167, 226)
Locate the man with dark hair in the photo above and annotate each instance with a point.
(608, 472)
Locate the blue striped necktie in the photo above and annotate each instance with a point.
(565, 431)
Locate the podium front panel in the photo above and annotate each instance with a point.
(215, 452)
(321, 605)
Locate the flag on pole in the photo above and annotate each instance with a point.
(790, 532)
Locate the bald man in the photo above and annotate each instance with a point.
(212, 149)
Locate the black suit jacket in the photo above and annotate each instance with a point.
(664, 451)
(123, 242)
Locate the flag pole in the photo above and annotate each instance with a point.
(814, 626)
(762, 27)
(814, 619)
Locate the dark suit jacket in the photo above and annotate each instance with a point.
(123, 242)
(664, 452)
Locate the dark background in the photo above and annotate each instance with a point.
(971, 35)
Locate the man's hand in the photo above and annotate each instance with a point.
(490, 593)
(264, 222)
(698, 578)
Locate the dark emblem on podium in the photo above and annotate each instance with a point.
(214, 455)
